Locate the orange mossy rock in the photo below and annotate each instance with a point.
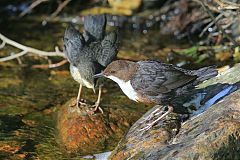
(88, 134)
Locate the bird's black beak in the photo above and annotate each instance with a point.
(98, 75)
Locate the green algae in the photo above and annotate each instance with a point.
(13, 110)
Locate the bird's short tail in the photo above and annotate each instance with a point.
(205, 73)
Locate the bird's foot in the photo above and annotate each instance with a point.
(81, 102)
(94, 108)
(149, 125)
(156, 112)
(76, 107)
(97, 107)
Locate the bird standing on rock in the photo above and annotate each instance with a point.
(89, 53)
(153, 81)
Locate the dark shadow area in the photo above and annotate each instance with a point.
(231, 150)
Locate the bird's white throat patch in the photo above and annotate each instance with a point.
(126, 87)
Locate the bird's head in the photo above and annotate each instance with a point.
(120, 69)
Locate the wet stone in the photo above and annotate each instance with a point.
(213, 134)
(85, 134)
(140, 142)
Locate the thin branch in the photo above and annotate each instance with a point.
(210, 24)
(235, 44)
(3, 44)
(51, 65)
(59, 9)
(58, 64)
(27, 49)
(13, 56)
(227, 5)
(33, 5)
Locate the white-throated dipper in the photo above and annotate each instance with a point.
(154, 82)
(89, 53)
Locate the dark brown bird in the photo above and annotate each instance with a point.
(153, 81)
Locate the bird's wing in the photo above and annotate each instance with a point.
(95, 26)
(73, 44)
(109, 49)
(154, 78)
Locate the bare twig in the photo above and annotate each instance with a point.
(210, 24)
(235, 44)
(58, 64)
(3, 44)
(59, 9)
(50, 65)
(227, 5)
(33, 5)
(13, 56)
(26, 49)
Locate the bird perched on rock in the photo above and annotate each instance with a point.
(153, 81)
(89, 53)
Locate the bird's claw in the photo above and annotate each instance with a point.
(77, 106)
(81, 102)
(146, 128)
(97, 107)
(150, 116)
(154, 113)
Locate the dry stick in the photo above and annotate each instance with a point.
(13, 56)
(226, 5)
(26, 49)
(50, 65)
(210, 24)
(3, 44)
(59, 9)
(58, 64)
(231, 3)
(33, 5)
(235, 44)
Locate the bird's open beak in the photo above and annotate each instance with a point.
(98, 75)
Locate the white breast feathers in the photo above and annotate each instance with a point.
(126, 87)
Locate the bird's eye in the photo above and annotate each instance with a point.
(112, 72)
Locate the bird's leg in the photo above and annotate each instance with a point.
(79, 96)
(97, 103)
(152, 114)
(170, 109)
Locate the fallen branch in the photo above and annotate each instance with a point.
(13, 56)
(214, 21)
(25, 50)
(33, 5)
(59, 9)
(227, 5)
(44, 66)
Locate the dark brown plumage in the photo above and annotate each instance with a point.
(155, 82)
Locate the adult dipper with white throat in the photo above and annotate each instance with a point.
(89, 53)
(153, 81)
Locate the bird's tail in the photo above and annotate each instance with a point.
(205, 73)
(95, 26)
